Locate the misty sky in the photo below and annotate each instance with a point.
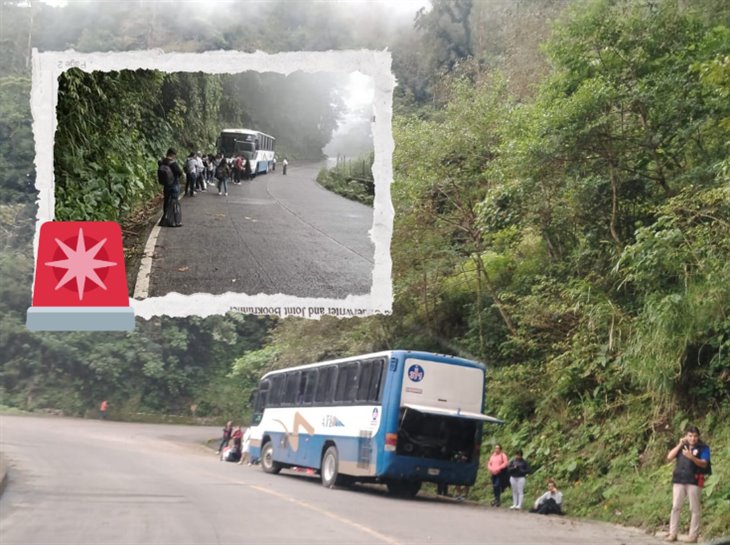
(399, 7)
(358, 95)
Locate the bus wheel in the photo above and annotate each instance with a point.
(404, 489)
(267, 459)
(330, 468)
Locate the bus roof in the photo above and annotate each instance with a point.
(387, 353)
(246, 131)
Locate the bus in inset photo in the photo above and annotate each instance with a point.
(255, 146)
(400, 418)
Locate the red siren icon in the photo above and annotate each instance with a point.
(80, 280)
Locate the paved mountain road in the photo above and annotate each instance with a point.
(75, 481)
(273, 234)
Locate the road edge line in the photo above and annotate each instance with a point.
(339, 518)
(3, 473)
(142, 285)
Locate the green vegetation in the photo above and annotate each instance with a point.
(351, 178)
(564, 218)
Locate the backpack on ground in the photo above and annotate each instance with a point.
(164, 175)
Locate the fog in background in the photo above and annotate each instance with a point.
(88, 25)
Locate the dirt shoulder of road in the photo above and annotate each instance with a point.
(135, 232)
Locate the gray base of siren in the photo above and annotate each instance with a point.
(80, 319)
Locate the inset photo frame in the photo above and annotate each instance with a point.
(275, 242)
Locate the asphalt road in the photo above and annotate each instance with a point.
(274, 234)
(91, 482)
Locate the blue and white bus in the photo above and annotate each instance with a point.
(255, 146)
(397, 417)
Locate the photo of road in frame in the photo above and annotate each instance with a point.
(270, 235)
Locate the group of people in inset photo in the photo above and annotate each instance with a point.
(198, 172)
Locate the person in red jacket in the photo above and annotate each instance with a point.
(497, 464)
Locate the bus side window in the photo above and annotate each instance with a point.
(376, 380)
(325, 385)
(276, 392)
(292, 388)
(363, 386)
(259, 399)
(310, 385)
(347, 382)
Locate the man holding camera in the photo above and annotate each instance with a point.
(692, 464)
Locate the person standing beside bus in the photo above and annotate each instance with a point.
(237, 169)
(211, 169)
(237, 438)
(497, 465)
(246, 169)
(227, 432)
(200, 184)
(692, 464)
(221, 174)
(190, 170)
(518, 469)
(169, 174)
(284, 164)
(246, 447)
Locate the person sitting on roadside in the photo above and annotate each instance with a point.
(551, 502)
(237, 438)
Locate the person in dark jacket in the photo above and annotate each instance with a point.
(222, 173)
(170, 191)
(518, 469)
(227, 432)
(692, 464)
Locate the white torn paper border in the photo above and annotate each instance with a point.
(49, 65)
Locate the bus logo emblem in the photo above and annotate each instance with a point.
(415, 373)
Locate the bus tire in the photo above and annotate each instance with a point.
(404, 489)
(267, 459)
(330, 468)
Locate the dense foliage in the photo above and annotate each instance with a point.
(564, 218)
(350, 178)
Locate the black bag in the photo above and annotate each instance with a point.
(165, 176)
(173, 213)
(549, 507)
(220, 170)
(504, 479)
